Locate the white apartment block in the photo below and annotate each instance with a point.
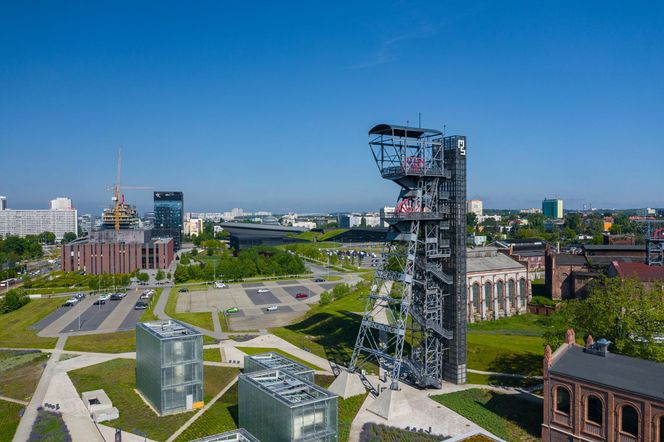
(475, 206)
(34, 222)
(60, 204)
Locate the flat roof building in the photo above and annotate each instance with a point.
(239, 435)
(23, 222)
(169, 365)
(275, 361)
(276, 406)
(552, 208)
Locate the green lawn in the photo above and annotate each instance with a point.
(9, 418)
(20, 373)
(507, 416)
(211, 354)
(502, 381)
(348, 409)
(257, 350)
(200, 319)
(328, 331)
(220, 417)
(526, 325)
(116, 342)
(15, 331)
(505, 353)
(117, 378)
(49, 427)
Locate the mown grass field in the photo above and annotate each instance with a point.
(20, 373)
(220, 417)
(15, 327)
(9, 419)
(117, 378)
(258, 350)
(199, 319)
(116, 342)
(507, 416)
(211, 354)
(502, 381)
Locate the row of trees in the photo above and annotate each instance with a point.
(266, 261)
(623, 311)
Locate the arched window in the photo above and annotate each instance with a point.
(476, 296)
(511, 292)
(594, 410)
(629, 420)
(500, 293)
(661, 429)
(487, 295)
(522, 291)
(562, 400)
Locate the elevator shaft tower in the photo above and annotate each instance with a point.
(414, 323)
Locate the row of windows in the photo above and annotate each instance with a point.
(490, 295)
(594, 413)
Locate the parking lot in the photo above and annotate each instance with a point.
(85, 316)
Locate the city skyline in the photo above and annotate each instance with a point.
(553, 99)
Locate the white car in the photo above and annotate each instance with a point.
(71, 301)
(219, 285)
(263, 291)
(272, 308)
(105, 297)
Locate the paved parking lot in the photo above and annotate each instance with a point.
(262, 298)
(92, 317)
(295, 289)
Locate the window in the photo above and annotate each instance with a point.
(487, 295)
(562, 400)
(476, 296)
(500, 293)
(511, 289)
(629, 420)
(661, 429)
(594, 410)
(522, 290)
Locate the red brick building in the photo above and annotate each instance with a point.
(591, 394)
(117, 252)
(650, 276)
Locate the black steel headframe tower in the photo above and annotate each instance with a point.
(414, 323)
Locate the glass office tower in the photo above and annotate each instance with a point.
(169, 365)
(169, 216)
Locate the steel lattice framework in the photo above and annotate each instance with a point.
(414, 323)
(653, 233)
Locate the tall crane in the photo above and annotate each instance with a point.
(118, 198)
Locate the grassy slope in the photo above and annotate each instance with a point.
(20, 373)
(328, 331)
(257, 350)
(117, 342)
(220, 417)
(15, 331)
(9, 413)
(117, 378)
(506, 416)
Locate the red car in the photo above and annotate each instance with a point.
(301, 296)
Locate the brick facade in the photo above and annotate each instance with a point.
(95, 258)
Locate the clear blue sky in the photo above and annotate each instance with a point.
(266, 105)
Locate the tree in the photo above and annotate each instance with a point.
(194, 252)
(471, 220)
(160, 275)
(143, 277)
(68, 237)
(536, 221)
(168, 275)
(325, 298)
(46, 238)
(13, 300)
(623, 311)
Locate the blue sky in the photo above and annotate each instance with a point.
(266, 105)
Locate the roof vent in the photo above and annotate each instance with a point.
(599, 348)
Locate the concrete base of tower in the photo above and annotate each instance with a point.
(347, 385)
(390, 404)
(456, 374)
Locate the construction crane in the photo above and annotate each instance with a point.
(119, 204)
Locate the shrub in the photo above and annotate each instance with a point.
(13, 300)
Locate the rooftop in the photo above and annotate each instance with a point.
(638, 270)
(623, 372)
(275, 361)
(168, 329)
(287, 387)
(485, 259)
(570, 259)
(403, 131)
(239, 435)
(614, 248)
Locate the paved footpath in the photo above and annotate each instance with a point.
(30, 415)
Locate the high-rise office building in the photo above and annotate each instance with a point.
(169, 216)
(552, 208)
(60, 204)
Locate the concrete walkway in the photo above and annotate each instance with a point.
(30, 414)
(16, 401)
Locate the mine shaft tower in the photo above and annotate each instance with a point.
(414, 323)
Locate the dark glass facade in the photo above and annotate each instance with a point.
(169, 216)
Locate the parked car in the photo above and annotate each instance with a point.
(301, 296)
(219, 285)
(79, 296)
(147, 294)
(183, 290)
(272, 308)
(319, 280)
(71, 301)
(118, 296)
(105, 297)
(141, 305)
(232, 310)
(99, 302)
(263, 291)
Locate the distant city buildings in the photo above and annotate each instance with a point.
(646, 212)
(169, 216)
(474, 206)
(368, 219)
(85, 223)
(22, 222)
(384, 213)
(60, 204)
(169, 365)
(193, 227)
(552, 208)
(530, 211)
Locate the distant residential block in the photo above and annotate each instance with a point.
(22, 222)
(552, 208)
